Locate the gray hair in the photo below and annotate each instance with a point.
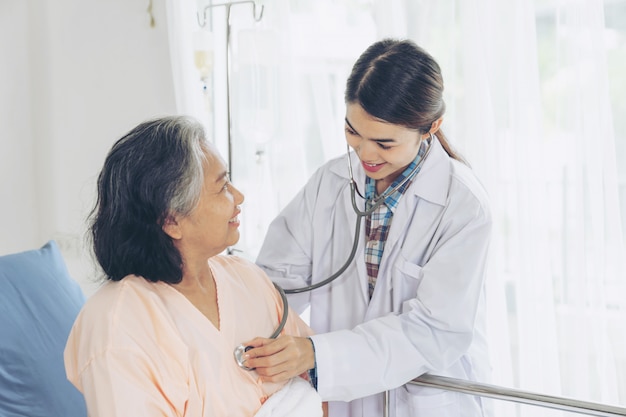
(154, 171)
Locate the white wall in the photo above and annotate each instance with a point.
(75, 75)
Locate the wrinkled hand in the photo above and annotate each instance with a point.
(277, 360)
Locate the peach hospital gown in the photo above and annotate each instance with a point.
(142, 349)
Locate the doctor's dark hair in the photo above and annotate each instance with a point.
(400, 83)
(152, 172)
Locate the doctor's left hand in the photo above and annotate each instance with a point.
(280, 359)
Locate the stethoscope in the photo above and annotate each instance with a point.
(360, 214)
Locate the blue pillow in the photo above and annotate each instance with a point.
(39, 302)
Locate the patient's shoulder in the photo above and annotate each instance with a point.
(119, 305)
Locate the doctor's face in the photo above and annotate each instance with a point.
(384, 149)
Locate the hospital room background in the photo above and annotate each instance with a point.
(535, 92)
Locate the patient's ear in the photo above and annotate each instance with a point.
(171, 227)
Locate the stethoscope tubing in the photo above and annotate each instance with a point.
(240, 350)
(359, 216)
(283, 320)
(350, 258)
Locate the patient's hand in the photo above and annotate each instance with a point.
(277, 360)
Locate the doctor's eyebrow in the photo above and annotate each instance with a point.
(380, 140)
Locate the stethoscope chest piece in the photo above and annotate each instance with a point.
(239, 351)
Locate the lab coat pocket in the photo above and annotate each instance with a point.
(427, 402)
(406, 278)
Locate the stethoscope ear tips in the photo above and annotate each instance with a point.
(239, 351)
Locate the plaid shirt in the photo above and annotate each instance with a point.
(378, 223)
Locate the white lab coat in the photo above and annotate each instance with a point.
(427, 310)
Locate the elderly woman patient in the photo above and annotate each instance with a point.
(157, 338)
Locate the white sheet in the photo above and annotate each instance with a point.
(297, 398)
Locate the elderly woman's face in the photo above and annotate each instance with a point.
(213, 225)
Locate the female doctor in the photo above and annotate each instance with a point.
(412, 300)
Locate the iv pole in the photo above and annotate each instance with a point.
(202, 23)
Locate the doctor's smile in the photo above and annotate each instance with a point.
(372, 167)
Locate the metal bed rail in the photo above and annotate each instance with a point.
(519, 396)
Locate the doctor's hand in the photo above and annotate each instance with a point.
(277, 360)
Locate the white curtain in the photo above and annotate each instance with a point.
(192, 98)
(531, 91)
